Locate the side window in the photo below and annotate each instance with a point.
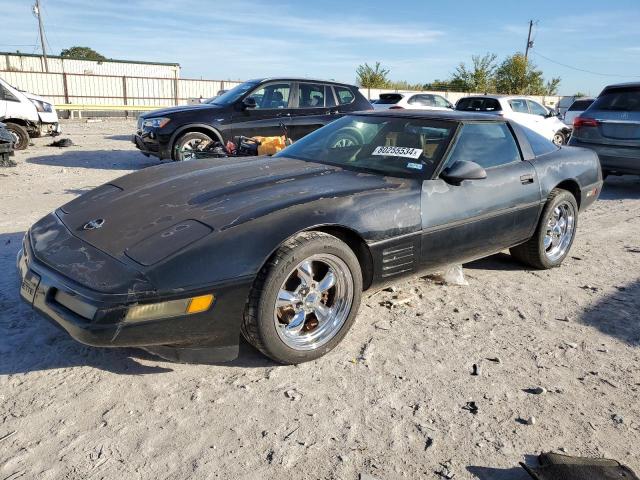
(415, 100)
(441, 102)
(7, 95)
(519, 105)
(487, 144)
(272, 96)
(537, 109)
(329, 99)
(345, 95)
(311, 95)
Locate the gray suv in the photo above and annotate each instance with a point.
(611, 127)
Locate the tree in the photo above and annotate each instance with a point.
(82, 53)
(478, 78)
(552, 86)
(372, 77)
(518, 76)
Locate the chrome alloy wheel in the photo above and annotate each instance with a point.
(191, 149)
(559, 139)
(559, 231)
(314, 302)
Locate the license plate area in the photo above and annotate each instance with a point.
(29, 286)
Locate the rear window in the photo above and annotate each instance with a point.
(539, 144)
(580, 105)
(478, 104)
(389, 98)
(623, 99)
(344, 95)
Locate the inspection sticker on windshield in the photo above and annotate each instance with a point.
(398, 152)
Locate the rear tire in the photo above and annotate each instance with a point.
(20, 134)
(554, 234)
(559, 138)
(280, 319)
(186, 146)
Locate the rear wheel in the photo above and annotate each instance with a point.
(559, 138)
(190, 145)
(19, 134)
(554, 235)
(304, 300)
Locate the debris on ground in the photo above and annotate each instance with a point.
(617, 419)
(452, 275)
(536, 390)
(471, 407)
(63, 142)
(475, 370)
(446, 470)
(292, 395)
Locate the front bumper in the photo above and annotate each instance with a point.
(148, 144)
(614, 159)
(52, 129)
(97, 319)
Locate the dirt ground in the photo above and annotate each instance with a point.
(386, 404)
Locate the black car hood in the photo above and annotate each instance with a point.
(179, 109)
(140, 213)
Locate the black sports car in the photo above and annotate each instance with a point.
(184, 258)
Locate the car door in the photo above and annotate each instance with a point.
(274, 105)
(479, 217)
(315, 106)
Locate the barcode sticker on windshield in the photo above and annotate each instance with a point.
(415, 166)
(398, 152)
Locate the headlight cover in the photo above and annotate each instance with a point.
(172, 308)
(42, 106)
(155, 122)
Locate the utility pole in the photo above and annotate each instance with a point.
(37, 11)
(529, 42)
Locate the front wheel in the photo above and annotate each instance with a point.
(304, 299)
(554, 235)
(19, 134)
(190, 146)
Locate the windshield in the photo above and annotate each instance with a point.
(388, 145)
(232, 95)
(626, 99)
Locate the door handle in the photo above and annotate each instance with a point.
(284, 114)
(525, 179)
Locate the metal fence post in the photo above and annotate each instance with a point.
(175, 87)
(124, 95)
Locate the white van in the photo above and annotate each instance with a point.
(26, 115)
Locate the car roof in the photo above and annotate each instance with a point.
(500, 97)
(453, 115)
(298, 79)
(620, 85)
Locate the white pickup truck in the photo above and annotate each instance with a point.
(26, 115)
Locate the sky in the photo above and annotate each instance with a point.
(588, 44)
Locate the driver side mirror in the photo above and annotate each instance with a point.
(249, 102)
(463, 170)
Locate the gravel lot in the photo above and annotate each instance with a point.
(388, 402)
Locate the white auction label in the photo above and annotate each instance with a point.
(398, 152)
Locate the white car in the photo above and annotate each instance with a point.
(26, 115)
(522, 110)
(576, 108)
(412, 101)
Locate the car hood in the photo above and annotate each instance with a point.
(163, 112)
(149, 215)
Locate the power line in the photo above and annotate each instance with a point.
(582, 69)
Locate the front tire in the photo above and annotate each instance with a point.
(188, 146)
(304, 300)
(20, 135)
(554, 235)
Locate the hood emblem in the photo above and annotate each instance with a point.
(94, 224)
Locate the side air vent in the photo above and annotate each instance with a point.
(398, 259)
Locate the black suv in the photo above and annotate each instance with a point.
(261, 107)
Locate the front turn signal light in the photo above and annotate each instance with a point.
(172, 308)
